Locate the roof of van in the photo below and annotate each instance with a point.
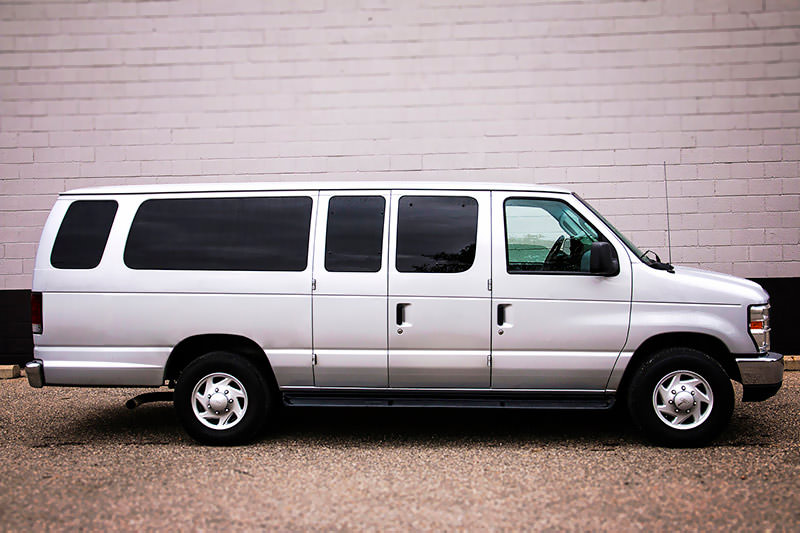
(319, 185)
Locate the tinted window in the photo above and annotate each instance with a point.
(82, 236)
(354, 239)
(546, 236)
(220, 234)
(436, 233)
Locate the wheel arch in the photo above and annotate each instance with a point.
(195, 346)
(708, 344)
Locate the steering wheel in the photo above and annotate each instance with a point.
(551, 255)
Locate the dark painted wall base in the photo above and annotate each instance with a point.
(16, 343)
(784, 299)
(16, 340)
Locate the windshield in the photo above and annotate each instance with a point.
(617, 232)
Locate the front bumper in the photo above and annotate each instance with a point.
(762, 377)
(35, 372)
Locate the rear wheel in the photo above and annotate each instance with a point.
(222, 399)
(681, 397)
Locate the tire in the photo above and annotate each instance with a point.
(703, 398)
(224, 381)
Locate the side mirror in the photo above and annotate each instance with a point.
(603, 259)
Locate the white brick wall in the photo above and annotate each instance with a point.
(594, 95)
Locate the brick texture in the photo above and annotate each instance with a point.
(594, 95)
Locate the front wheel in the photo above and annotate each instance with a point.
(222, 399)
(681, 397)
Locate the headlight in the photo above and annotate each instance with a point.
(759, 326)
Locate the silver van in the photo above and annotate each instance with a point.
(246, 297)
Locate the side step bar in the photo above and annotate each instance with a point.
(527, 400)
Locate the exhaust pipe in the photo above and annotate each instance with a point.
(149, 397)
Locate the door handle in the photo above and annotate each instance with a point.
(400, 315)
(502, 315)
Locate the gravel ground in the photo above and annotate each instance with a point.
(77, 459)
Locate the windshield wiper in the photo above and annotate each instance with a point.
(656, 263)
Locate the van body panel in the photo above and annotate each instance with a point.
(127, 319)
(558, 330)
(114, 365)
(350, 341)
(444, 343)
(693, 285)
(116, 306)
(694, 301)
(443, 336)
(724, 322)
(349, 310)
(291, 367)
(113, 276)
(721, 321)
(564, 358)
(279, 324)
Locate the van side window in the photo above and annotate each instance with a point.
(262, 234)
(546, 236)
(354, 237)
(82, 237)
(436, 233)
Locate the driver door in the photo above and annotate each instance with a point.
(555, 325)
